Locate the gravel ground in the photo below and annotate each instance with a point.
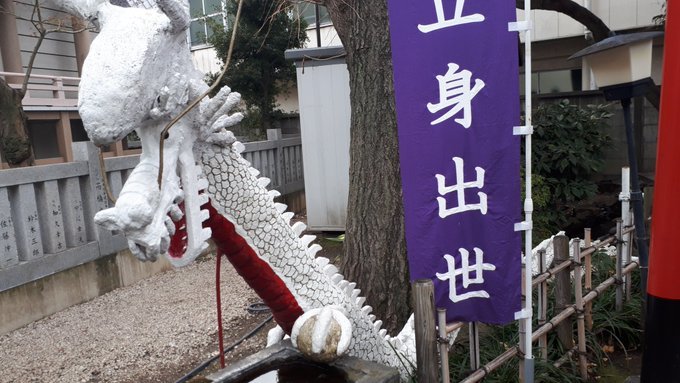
(153, 331)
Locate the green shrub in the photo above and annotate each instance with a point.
(568, 147)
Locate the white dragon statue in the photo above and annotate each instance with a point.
(138, 76)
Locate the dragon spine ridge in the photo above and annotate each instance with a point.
(238, 195)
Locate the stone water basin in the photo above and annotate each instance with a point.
(282, 363)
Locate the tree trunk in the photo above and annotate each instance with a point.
(375, 248)
(15, 145)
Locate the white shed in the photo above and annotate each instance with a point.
(323, 91)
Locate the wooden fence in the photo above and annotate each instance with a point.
(570, 259)
(46, 212)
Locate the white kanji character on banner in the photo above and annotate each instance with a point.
(456, 93)
(458, 18)
(459, 188)
(465, 271)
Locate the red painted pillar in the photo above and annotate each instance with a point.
(661, 359)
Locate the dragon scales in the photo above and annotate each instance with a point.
(208, 189)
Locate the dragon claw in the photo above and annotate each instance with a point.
(322, 334)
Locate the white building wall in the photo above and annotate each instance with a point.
(56, 55)
(325, 119)
(616, 14)
(206, 60)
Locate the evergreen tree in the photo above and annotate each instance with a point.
(258, 69)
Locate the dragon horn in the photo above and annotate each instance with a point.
(177, 12)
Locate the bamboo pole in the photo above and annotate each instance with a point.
(580, 317)
(473, 330)
(588, 279)
(563, 290)
(619, 264)
(626, 216)
(453, 327)
(542, 305)
(443, 345)
(587, 251)
(426, 351)
(478, 375)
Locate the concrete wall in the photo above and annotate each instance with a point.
(616, 14)
(35, 300)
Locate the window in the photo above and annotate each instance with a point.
(308, 13)
(202, 12)
(558, 81)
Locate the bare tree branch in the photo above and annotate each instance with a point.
(39, 23)
(599, 29)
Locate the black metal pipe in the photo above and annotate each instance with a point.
(317, 18)
(210, 361)
(636, 197)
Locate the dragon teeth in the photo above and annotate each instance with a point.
(343, 285)
(322, 261)
(349, 288)
(307, 239)
(330, 269)
(366, 309)
(203, 199)
(337, 278)
(274, 193)
(281, 208)
(263, 181)
(312, 250)
(360, 300)
(371, 317)
(298, 228)
(377, 325)
(206, 233)
(383, 333)
(204, 215)
(355, 294)
(202, 184)
(287, 216)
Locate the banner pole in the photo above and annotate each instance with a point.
(528, 202)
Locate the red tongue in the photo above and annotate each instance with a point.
(256, 272)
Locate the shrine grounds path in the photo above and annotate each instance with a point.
(153, 331)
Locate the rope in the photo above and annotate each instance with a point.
(220, 334)
(102, 171)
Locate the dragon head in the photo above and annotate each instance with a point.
(130, 63)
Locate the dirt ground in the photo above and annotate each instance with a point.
(154, 331)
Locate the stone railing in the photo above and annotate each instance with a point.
(46, 212)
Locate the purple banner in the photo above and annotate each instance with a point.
(457, 96)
